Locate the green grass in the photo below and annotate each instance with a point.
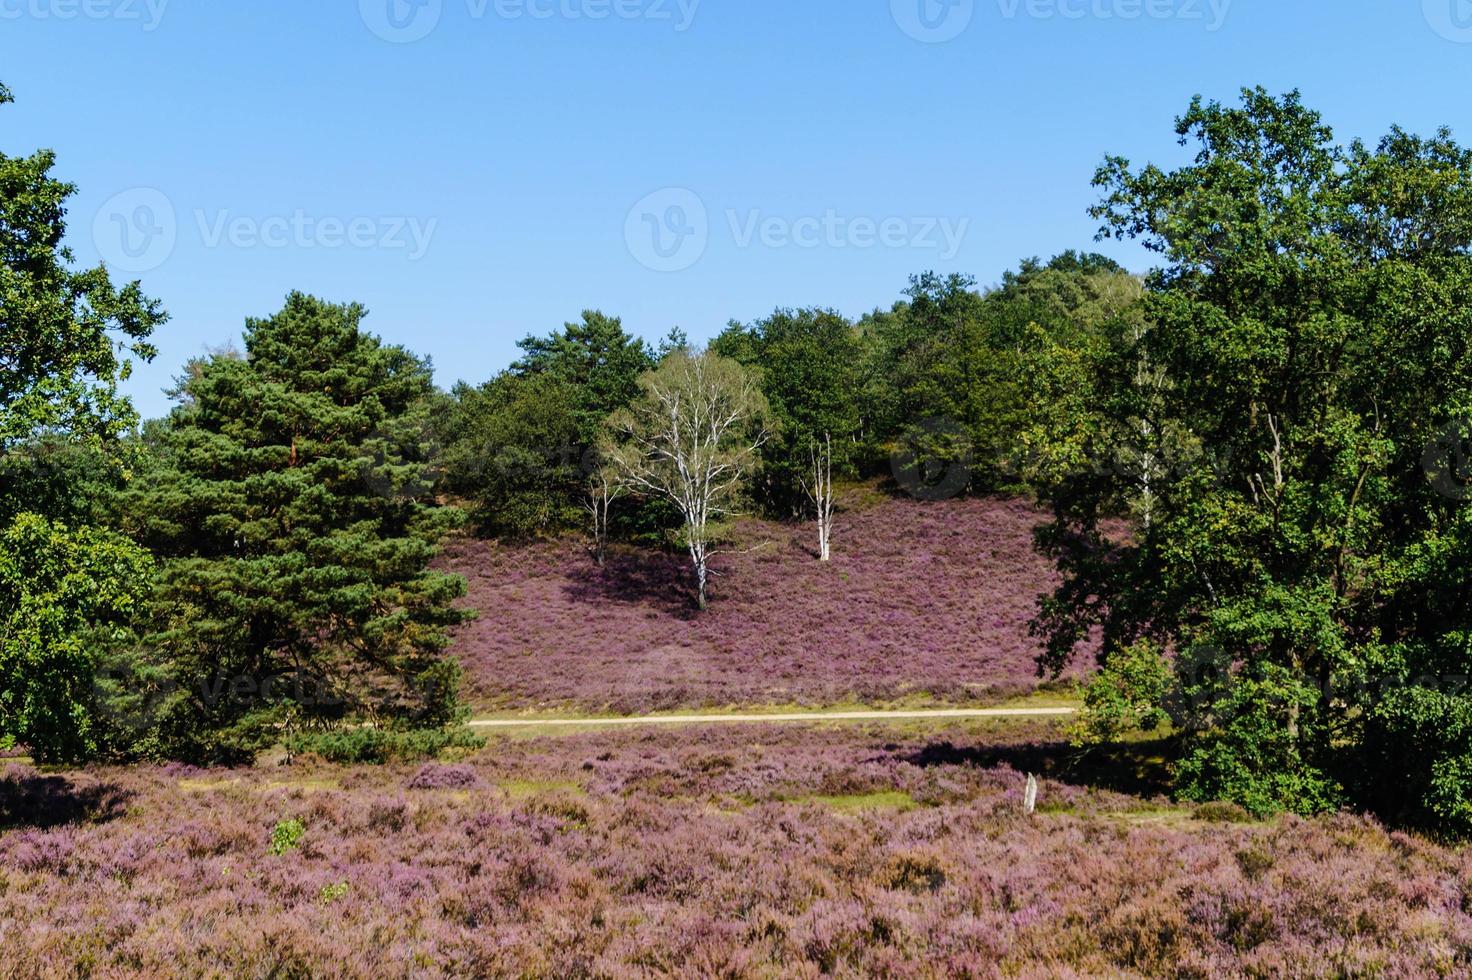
(861, 802)
(528, 789)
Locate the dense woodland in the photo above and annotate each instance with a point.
(1254, 458)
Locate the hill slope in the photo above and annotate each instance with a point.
(920, 599)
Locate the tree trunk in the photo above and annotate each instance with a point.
(701, 577)
(821, 492)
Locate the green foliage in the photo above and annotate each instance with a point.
(597, 361)
(1302, 353)
(1219, 812)
(287, 836)
(333, 891)
(519, 446)
(1434, 728)
(378, 746)
(999, 382)
(514, 451)
(64, 595)
(65, 334)
(67, 586)
(290, 507)
(1126, 695)
(1257, 738)
(809, 367)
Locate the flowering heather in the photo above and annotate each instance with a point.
(919, 600)
(733, 852)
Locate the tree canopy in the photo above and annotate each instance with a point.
(292, 513)
(1311, 332)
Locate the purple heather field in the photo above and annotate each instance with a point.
(733, 852)
(926, 601)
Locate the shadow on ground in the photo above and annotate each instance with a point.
(638, 578)
(29, 799)
(1136, 768)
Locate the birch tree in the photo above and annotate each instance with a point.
(818, 485)
(693, 436)
(605, 485)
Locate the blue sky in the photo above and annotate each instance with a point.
(674, 162)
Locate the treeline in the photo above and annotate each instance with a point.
(992, 380)
(1254, 459)
(258, 564)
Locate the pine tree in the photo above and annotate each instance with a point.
(292, 511)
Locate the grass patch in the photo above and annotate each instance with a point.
(861, 802)
(207, 785)
(527, 789)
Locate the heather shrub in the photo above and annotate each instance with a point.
(29, 799)
(387, 815)
(444, 777)
(564, 859)
(916, 873)
(921, 602)
(377, 746)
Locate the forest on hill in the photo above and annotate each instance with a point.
(1249, 463)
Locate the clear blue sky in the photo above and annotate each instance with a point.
(827, 147)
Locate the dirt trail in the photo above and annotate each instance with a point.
(807, 716)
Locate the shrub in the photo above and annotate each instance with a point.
(1221, 812)
(444, 777)
(376, 746)
(1125, 696)
(287, 836)
(332, 892)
